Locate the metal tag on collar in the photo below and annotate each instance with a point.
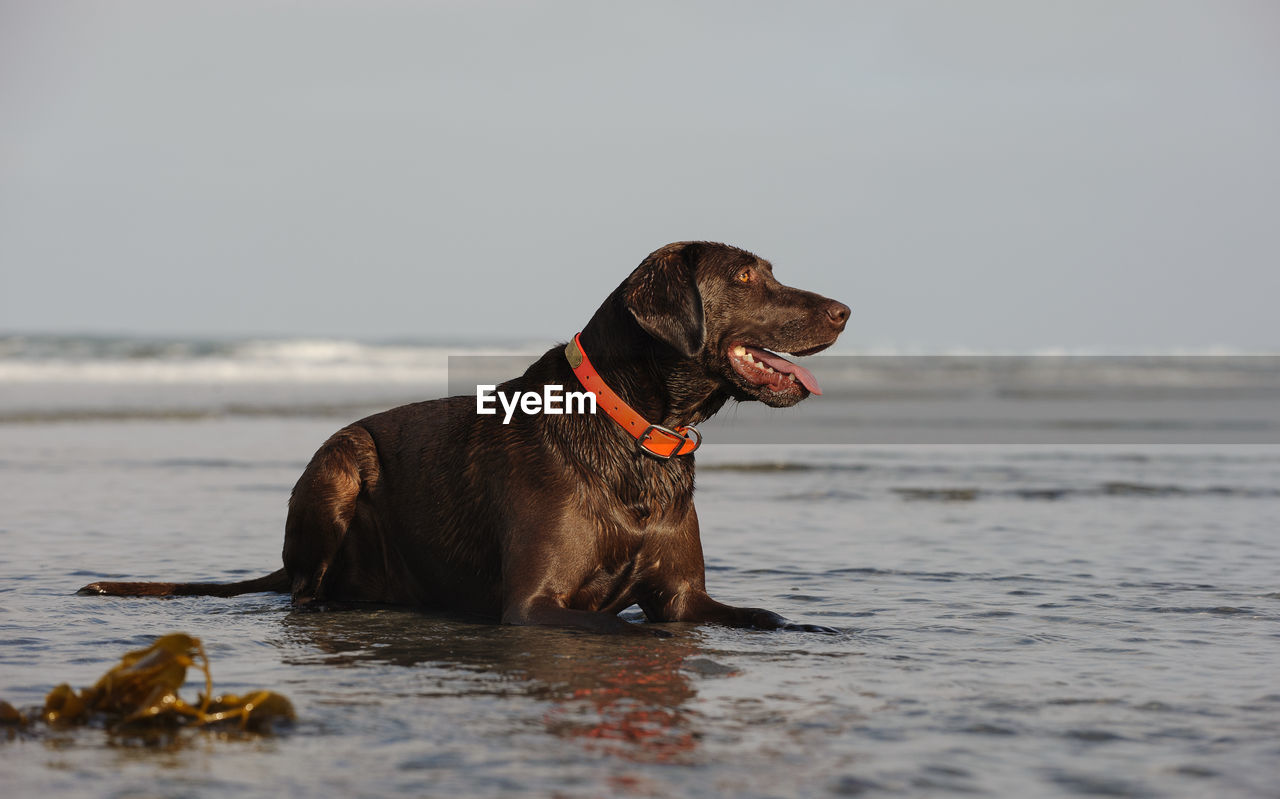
(573, 354)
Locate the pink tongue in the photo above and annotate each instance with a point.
(780, 364)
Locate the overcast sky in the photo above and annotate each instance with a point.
(996, 175)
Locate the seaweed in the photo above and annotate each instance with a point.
(140, 694)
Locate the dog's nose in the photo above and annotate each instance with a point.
(838, 313)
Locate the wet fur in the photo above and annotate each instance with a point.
(549, 519)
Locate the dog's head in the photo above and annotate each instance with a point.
(722, 306)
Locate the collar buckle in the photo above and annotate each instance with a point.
(679, 439)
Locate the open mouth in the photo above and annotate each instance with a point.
(769, 370)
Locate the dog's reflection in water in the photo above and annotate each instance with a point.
(626, 696)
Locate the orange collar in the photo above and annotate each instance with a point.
(661, 442)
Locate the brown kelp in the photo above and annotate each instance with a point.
(140, 693)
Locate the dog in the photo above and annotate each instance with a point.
(562, 519)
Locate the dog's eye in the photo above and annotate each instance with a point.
(744, 276)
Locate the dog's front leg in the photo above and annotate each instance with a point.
(696, 605)
(546, 566)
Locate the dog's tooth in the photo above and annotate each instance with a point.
(749, 358)
(739, 351)
(769, 369)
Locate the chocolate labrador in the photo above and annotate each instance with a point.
(561, 519)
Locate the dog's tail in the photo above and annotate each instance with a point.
(277, 581)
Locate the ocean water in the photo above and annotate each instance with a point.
(1049, 577)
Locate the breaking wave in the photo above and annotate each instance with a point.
(97, 359)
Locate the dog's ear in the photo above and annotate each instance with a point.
(662, 294)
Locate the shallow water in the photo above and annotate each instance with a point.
(1016, 621)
